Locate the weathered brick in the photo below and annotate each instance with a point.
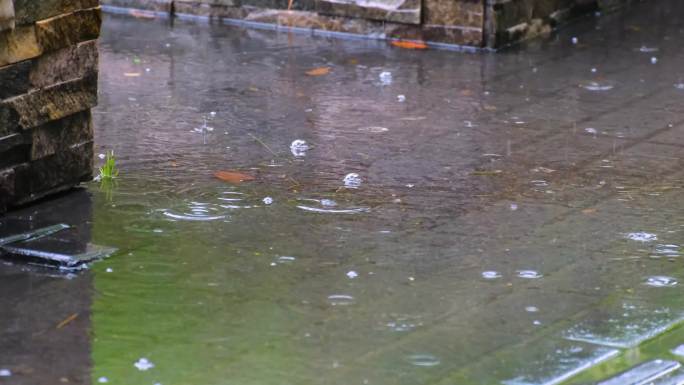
(67, 64)
(59, 135)
(18, 44)
(48, 104)
(30, 11)
(69, 29)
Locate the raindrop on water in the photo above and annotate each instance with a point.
(528, 274)
(491, 274)
(340, 299)
(424, 360)
(267, 200)
(352, 274)
(641, 236)
(5, 373)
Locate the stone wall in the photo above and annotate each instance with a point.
(48, 83)
(510, 21)
(476, 23)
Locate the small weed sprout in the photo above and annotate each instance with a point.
(108, 169)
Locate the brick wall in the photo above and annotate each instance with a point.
(48, 83)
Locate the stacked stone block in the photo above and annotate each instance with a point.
(48, 84)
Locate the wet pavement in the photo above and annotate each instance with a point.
(516, 218)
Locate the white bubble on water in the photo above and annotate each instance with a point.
(574, 40)
(591, 130)
(594, 86)
(491, 274)
(299, 147)
(352, 180)
(423, 360)
(352, 274)
(103, 380)
(401, 98)
(528, 274)
(5, 373)
(267, 200)
(661, 281)
(641, 236)
(143, 364)
(531, 309)
(646, 49)
(386, 78)
(654, 60)
(340, 299)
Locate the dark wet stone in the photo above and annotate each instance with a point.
(14, 79)
(59, 135)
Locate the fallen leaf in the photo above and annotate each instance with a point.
(467, 93)
(353, 61)
(141, 14)
(488, 107)
(589, 211)
(233, 176)
(132, 74)
(409, 44)
(320, 71)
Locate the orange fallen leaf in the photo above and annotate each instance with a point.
(467, 92)
(589, 211)
(233, 176)
(320, 71)
(141, 14)
(409, 44)
(132, 74)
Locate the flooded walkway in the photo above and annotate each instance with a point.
(514, 218)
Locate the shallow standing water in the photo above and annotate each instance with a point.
(518, 219)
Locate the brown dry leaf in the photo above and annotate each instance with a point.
(467, 93)
(589, 211)
(488, 107)
(234, 177)
(353, 61)
(320, 71)
(405, 44)
(67, 320)
(131, 74)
